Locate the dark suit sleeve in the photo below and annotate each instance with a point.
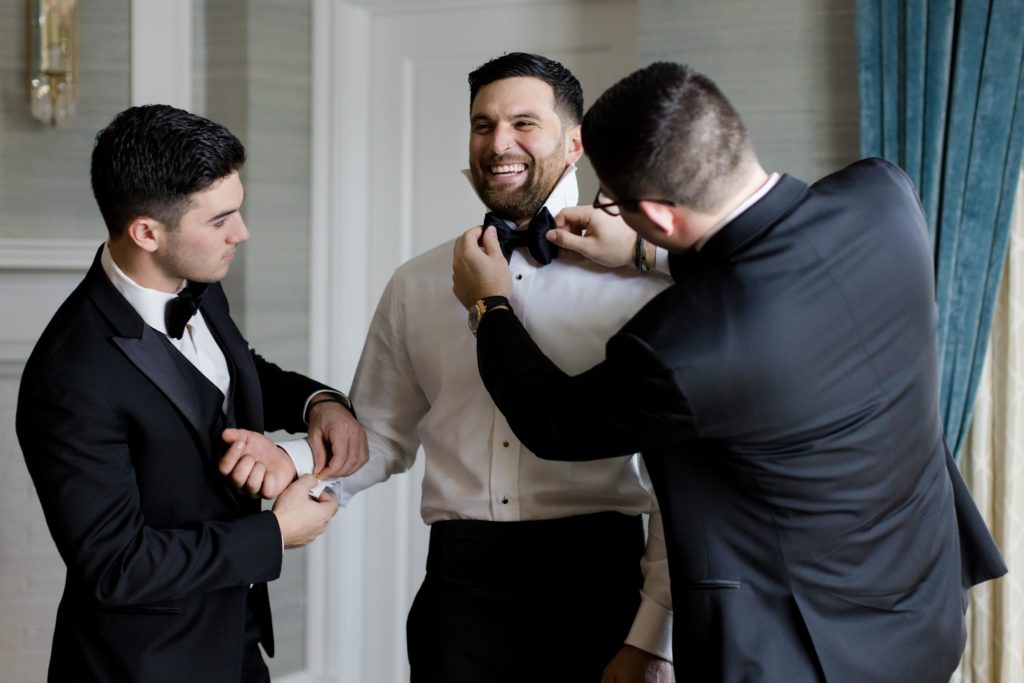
(628, 403)
(284, 395)
(80, 452)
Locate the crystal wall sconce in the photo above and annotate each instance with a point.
(53, 59)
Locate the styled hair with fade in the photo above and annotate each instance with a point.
(151, 159)
(666, 131)
(568, 92)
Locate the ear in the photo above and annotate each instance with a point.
(573, 144)
(665, 218)
(145, 232)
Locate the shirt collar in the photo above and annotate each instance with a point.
(746, 204)
(565, 194)
(150, 304)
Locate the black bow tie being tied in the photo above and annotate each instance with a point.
(181, 308)
(533, 238)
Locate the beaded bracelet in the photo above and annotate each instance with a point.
(640, 255)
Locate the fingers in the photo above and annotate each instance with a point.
(490, 243)
(254, 482)
(339, 444)
(330, 504)
(321, 458)
(574, 219)
(242, 470)
(469, 242)
(476, 239)
(356, 455)
(349, 452)
(303, 483)
(301, 517)
(237, 439)
(230, 459)
(567, 239)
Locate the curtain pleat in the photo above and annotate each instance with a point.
(941, 86)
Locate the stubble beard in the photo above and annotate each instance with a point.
(178, 262)
(523, 202)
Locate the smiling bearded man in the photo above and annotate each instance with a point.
(518, 151)
(488, 609)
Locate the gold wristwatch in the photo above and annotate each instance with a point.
(481, 306)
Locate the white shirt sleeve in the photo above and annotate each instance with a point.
(300, 453)
(388, 399)
(661, 261)
(652, 627)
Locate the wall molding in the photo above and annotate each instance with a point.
(40, 270)
(47, 255)
(336, 580)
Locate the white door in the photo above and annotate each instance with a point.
(388, 186)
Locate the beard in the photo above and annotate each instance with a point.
(524, 201)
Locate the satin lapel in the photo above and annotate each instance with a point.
(153, 359)
(245, 383)
(140, 344)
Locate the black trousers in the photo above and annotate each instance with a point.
(537, 601)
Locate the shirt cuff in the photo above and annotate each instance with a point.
(300, 453)
(335, 487)
(652, 629)
(661, 260)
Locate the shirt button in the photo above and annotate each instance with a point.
(504, 500)
(505, 444)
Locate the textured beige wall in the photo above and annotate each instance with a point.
(44, 173)
(788, 66)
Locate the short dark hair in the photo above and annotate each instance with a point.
(568, 92)
(666, 132)
(151, 159)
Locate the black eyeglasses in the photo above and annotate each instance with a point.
(603, 202)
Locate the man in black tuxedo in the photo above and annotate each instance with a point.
(784, 393)
(120, 417)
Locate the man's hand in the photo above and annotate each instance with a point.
(337, 440)
(301, 517)
(255, 464)
(479, 269)
(633, 665)
(608, 240)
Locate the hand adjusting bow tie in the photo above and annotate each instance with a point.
(533, 238)
(181, 308)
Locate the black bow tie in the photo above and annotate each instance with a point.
(533, 238)
(181, 308)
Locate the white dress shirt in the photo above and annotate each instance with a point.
(417, 384)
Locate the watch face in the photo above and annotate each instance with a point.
(474, 316)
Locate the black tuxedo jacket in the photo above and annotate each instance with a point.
(122, 440)
(784, 394)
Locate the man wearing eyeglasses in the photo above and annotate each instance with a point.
(784, 393)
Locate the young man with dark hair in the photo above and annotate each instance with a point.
(536, 571)
(120, 416)
(783, 392)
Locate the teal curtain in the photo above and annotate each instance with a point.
(942, 96)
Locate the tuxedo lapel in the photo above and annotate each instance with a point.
(142, 346)
(153, 359)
